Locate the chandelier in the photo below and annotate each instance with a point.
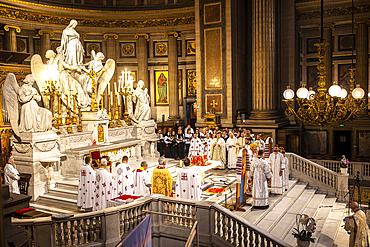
(327, 108)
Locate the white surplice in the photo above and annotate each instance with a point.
(277, 165)
(188, 184)
(123, 180)
(207, 148)
(103, 188)
(142, 178)
(261, 172)
(196, 148)
(86, 187)
(286, 174)
(231, 148)
(11, 178)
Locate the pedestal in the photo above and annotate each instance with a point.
(146, 133)
(97, 122)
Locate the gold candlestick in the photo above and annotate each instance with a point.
(74, 118)
(59, 119)
(111, 123)
(69, 128)
(66, 121)
(102, 102)
(126, 93)
(117, 113)
(94, 104)
(79, 126)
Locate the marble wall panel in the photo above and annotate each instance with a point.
(212, 13)
(363, 141)
(316, 142)
(213, 59)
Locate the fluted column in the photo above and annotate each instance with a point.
(142, 57)
(329, 53)
(45, 42)
(172, 76)
(263, 59)
(10, 41)
(111, 42)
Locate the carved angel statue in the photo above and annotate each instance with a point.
(141, 98)
(33, 118)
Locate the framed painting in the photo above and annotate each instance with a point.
(190, 47)
(191, 82)
(345, 42)
(161, 87)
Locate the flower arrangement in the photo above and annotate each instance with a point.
(344, 162)
(308, 225)
(199, 160)
(215, 190)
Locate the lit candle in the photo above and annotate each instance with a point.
(119, 83)
(108, 87)
(111, 98)
(115, 88)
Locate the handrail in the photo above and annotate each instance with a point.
(311, 162)
(193, 233)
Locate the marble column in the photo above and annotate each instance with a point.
(45, 42)
(111, 43)
(263, 59)
(362, 62)
(328, 28)
(173, 94)
(10, 37)
(142, 57)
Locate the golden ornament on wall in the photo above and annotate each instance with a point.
(161, 49)
(128, 49)
(21, 46)
(93, 47)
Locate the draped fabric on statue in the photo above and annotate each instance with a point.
(86, 187)
(162, 181)
(123, 180)
(71, 46)
(103, 188)
(261, 172)
(188, 184)
(11, 176)
(277, 165)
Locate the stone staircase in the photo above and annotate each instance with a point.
(279, 218)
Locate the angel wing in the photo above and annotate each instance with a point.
(107, 73)
(10, 94)
(38, 69)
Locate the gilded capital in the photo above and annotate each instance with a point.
(8, 27)
(175, 34)
(42, 32)
(145, 35)
(110, 36)
(364, 21)
(83, 35)
(327, 25)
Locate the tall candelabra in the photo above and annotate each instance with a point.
(79, 126)
(74, 118)
(110, 106)
(102, 102)
(126, 89)
(94, 104)
(126, 92)
(117, 113)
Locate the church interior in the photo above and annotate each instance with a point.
(226, 83)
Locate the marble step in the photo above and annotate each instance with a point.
(57, 199)
(332, 225)
(67, 185)
(257, 215)
(63, 193)
(53, 209)
(285, 215)
(342, 238)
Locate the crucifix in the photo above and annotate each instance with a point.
(214, 104)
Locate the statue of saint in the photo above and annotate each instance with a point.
(141, 98)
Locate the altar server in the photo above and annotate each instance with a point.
(277, 167)
(196, 147)
(86, 187)
(123, 178)
(11, 175)
(207, 145)
(103, 186)
(268, 145)
(188, 183)
(261, 172)
(218, 150)
(231, 148)
(286, 171)
(162, 179)
(142, 180)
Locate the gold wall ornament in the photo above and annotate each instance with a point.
(8, 27)
(161, 49)
(100, 133)
(145, 35)
(94, 104)
(43, 31)
(21, 46)
(110, 36)
(127, 49)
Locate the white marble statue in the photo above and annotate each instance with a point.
(33, 118)
(142, 108)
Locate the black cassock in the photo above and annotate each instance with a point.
(174, 147)
(167, 147)
(180, 146)
(160, 145)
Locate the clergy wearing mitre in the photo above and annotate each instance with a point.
(142, 181)
(103, 186)
(123, 178)
(218, 150)
(162, 179)
(232, 152)
(188, 183)
(86, 187)
(276, 161)
(260, 171)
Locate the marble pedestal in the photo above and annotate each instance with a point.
(146, 133)
(93, 120)
(38, 154)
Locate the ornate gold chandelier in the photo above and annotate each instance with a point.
(322, 108)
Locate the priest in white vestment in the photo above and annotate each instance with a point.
(277, 167)
(240, 142)
(218, 150)
(188, 183)
(86, 187)
(103, 186)
(261, 172)
(207, 145)
(231, 148)
(124, 179)
(11, 175)
(196, 147)
(286, 171)
(260, 143)
(142, 180)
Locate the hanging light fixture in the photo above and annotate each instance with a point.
(322, 108)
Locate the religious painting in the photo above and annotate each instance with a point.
(179, 75)
(214, 101)
(312, 77)
(190, 47)
(22, 44)
(54, 44)
(345, 42)
(179, 48)
(344, 76)
(191, 82)
(128, 49)
(92, 45)
(213, 59)
(160, 48)
(363, 143)
(311, 48)
(36, 45)
(316, 142)
(161, 87)
(212, 13)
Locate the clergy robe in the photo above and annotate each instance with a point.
(277, 165)
(196, 148)
(358, 228)
(11, 176)
(123, 180)
(188, 184)
(188, 138)
(240, 144)
(286, 174)
(207, 147)
(86, 187)
(103, 188)
(260, 145)
(218, 151)
(180, 138)
(231, 147)
(268, 143)
(261, 172)
(167, 146)
(162, 181)
(141, 180)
